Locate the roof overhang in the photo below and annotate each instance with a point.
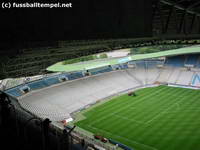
(59, 67)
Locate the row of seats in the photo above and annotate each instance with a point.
(73, 76)
(123, 66)
(101, 70)
(14, 91)
(45, 82)
(181, 61)
(152, 64)
(120, 66)
(177, 61)
(48, 81)
(192, 59)
(147, 63)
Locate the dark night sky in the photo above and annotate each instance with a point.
(88, 19)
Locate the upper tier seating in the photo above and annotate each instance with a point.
(75, 75)
(123, 66)
(153, 63)
(51, 80)
(140, 64)
(100, 70)
(192, 60)
(14, 92)
(37, 84)
(176, 61)
(57, 102)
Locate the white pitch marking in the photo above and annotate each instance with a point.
(131, 141)
(142, 99)
(155, 117)
(126, 118)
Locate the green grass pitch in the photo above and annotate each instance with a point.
(158, 118)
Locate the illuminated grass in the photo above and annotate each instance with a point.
(162, 118)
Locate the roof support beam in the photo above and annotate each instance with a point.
(185, 23)
(155, 7)
(178, 6)
(198, 24)
(182, 21)
(180, 1)
(176, 20)
(168, 19)
(161, 17)
(193, 5)
(192, 23)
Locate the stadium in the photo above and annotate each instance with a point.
(97, 96)
(131, 85)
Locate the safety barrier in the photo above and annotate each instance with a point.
(120, 144)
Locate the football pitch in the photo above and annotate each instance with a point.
(157, 118)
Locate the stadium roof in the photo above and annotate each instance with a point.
(59, 67)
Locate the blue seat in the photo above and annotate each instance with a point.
(51, 80)
(177, 61)
(153, 64)
(140, 64)
(192, 60)
(124, 66)
(75, 75)
(100, 70)
(37, 84)
(14, 92)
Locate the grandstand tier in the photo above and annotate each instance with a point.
(56, 99)
(61, 96)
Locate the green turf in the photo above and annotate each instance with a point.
(158, 118)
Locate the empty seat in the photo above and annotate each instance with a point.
(192, 60)
(177, 61)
